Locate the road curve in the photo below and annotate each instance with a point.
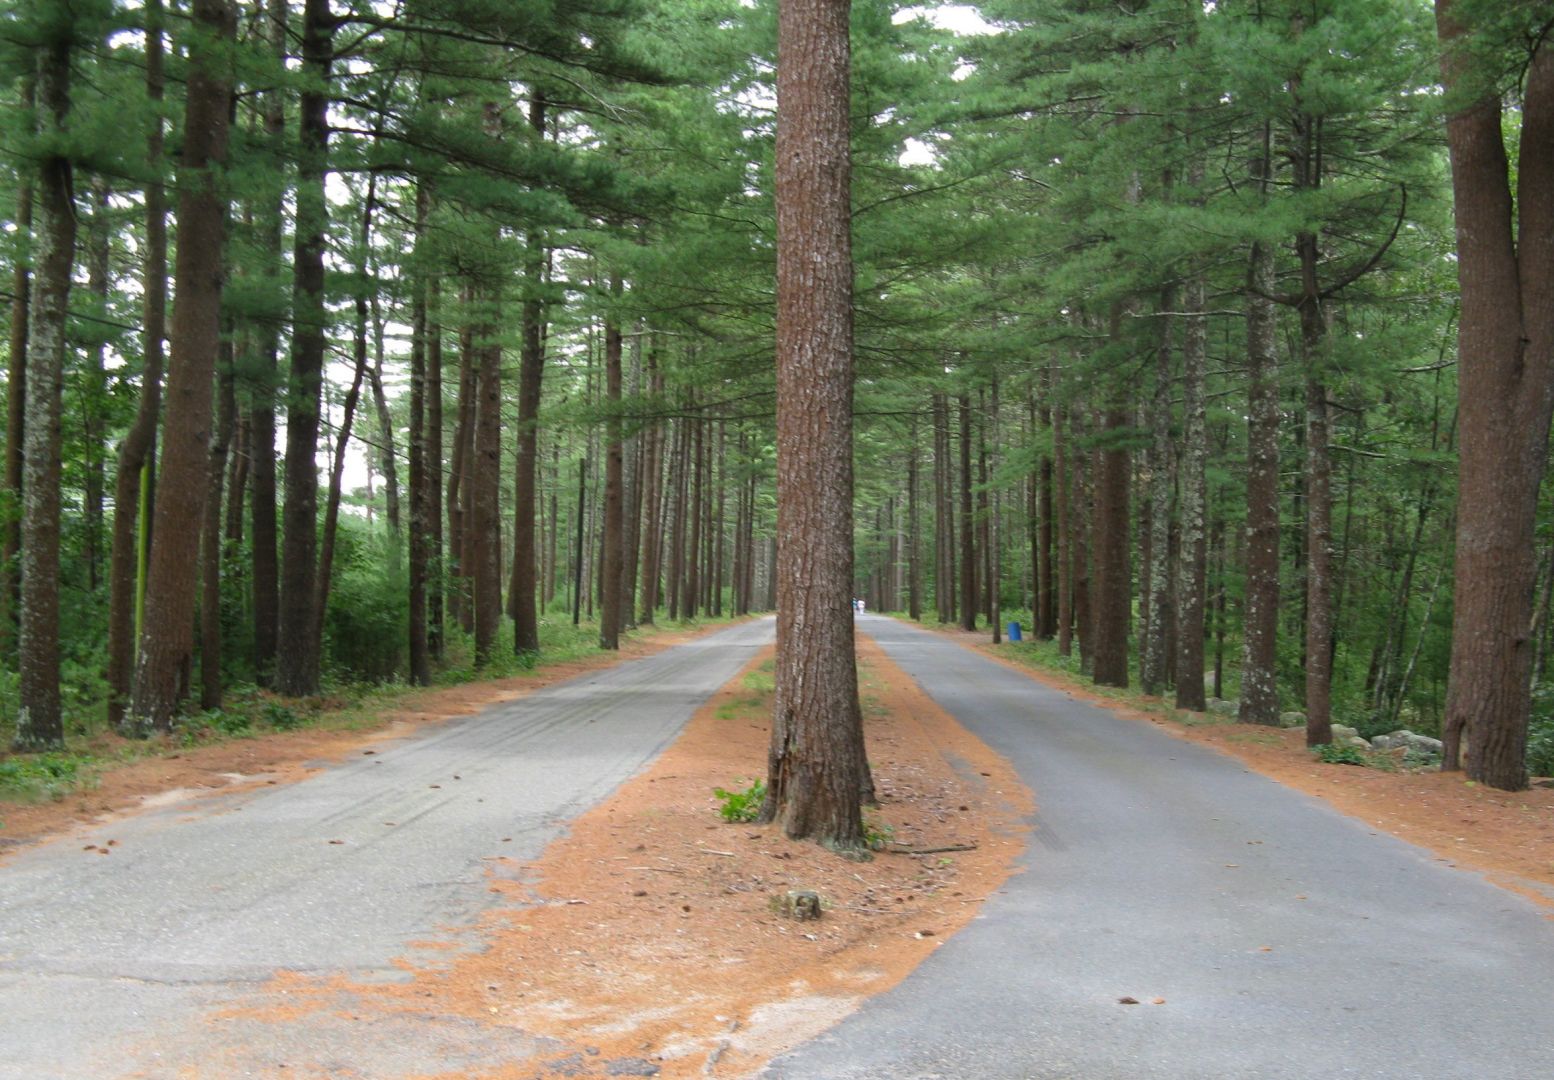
(108, 964)
(1284, 940)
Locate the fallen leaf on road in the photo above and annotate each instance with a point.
(1127, 1001)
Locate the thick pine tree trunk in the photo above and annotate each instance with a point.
(297, 648)
(816, 768)
(39, 724)
(16, 371)
(1505, 263)
(167, 635)
(1191, 578)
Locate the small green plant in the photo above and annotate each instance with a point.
(282, 717)
(743, 805)
(876, 834)
(1338, 754)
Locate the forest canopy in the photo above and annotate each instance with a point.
(358, 342)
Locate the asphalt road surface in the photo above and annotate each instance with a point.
(110, 965)
(1283, 940)
(1286, 940)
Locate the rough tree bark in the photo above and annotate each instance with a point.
(39, 725)
(1192, 562)
(1505, 263)
(1259, 691)
(531, 374)
(265, 534)
(16, 371)
(1153, 664)
(816, 767)
(167, 635)
(297, 649)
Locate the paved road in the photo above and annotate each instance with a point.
(105, 960)
(1287, 941)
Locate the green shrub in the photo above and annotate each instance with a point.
(1340, 754)
(743, 805)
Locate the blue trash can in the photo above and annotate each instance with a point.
(1014, 631)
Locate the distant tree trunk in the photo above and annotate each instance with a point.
(39, 724)
(135, 449)
(265, 536)
(326, 550)
(1042, 555)
(1506, 387)
(611, 616)
(1259, 690)
(1153, 667)
(1319, 504)
(631, 493)
(458, 471)
(994, 540)
(914, 542)
(577, 563)
(297, 654)
(387, 461)
(531, 374)
(1191, 579)
(436, 559)
(1112, 593)
(94, 436)
(167, 635)
(693, 551)
(420, 497)
(652, 540)
(944, 532)
(16, 373)
(236, 484)
(719, 511)
(816, 767)
(483, 531)
(1061, 467)
(968, 546)
(211, 534)
(677, 475)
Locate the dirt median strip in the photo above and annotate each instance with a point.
(644, 941)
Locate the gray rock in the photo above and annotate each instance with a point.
(1221, 707)
(630, 1067)
(1403, 739)
(1292, 719)
(1357, 742)
(1342, 733)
